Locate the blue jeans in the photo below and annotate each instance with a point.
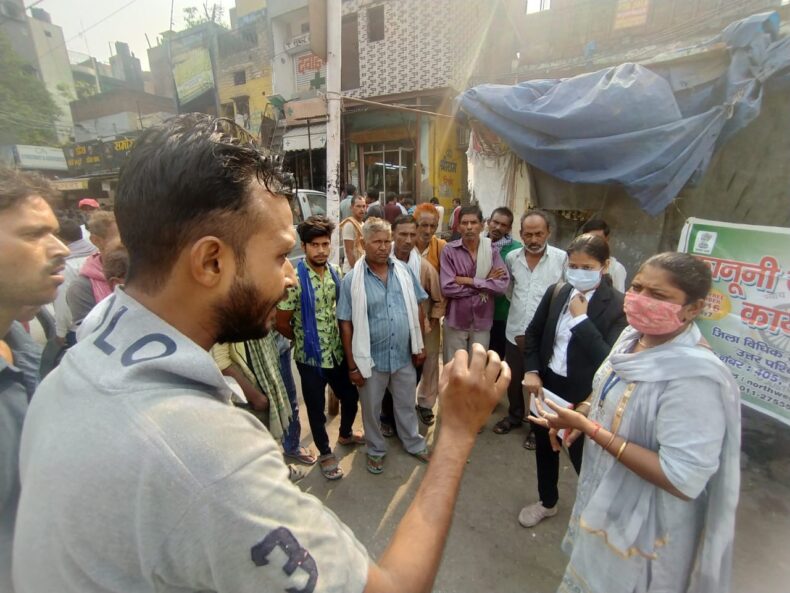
(293, 435)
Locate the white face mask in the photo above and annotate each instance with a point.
(583, 280)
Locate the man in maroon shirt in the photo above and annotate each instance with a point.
(472, 275)
(391, 208)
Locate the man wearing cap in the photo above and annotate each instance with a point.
(86, 207)
(91, 286)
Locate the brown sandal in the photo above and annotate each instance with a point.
(301, 455)
(356, 438)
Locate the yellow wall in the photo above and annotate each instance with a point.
(254, 89)
(258, 71)
(447, 162)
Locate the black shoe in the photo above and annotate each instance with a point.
(426, 415)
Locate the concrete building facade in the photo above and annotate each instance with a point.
(53, 67)
(418, 54)
(244, 79)
(117, 112)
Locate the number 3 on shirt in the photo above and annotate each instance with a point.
(298, 557)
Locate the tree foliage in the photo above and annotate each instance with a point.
(27, 111)
(213, 13)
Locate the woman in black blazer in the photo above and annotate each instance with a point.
(573, 329)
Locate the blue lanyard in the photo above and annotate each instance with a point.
(611, 381)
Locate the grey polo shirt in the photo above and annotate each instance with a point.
(139, 475)
(17, 384)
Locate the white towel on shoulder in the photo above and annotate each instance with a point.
(360, 342)
(414, 260)
(485, 259)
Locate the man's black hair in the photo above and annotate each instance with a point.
(595, 224)
(536, 212)
(314, 227)
(69, 230)
(504, 211)
(471, 209)
(402, 219)
(186, 178)
(17, 186)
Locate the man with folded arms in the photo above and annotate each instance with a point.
(472, 275)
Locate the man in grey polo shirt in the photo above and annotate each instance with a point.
(137, 473)
(32, 260)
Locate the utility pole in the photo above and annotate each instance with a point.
(333, 29)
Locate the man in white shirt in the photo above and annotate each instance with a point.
(351, 234)
(375, 208)
(533, 268)
(617, 271)
(440, 210)
(350, 193)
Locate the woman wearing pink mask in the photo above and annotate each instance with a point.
(655, 504)
(570, 335)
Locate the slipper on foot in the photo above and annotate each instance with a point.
(356, 438)
(331, 469)
(301, 455)
(295, 473)
(529, 442)
(375, 464)
(426, 415)
(424, 455)
(504, 426)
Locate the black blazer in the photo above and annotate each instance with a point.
(591, 340)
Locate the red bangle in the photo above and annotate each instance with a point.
(595, 431)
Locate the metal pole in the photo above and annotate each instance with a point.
(333, 30)
(214, 57)
(310, 154)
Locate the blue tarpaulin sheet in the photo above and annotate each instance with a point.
(625, 125)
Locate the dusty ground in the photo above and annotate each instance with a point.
(489, 551)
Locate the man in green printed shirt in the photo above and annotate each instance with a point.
(500, 223)
(308, 317)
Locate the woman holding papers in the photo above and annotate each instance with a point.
(655, 504)
(569, 337)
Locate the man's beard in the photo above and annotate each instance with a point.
(316, 264)
(243, 316)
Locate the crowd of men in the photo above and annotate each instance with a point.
(375, 330)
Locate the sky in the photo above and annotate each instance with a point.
(106, 21)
